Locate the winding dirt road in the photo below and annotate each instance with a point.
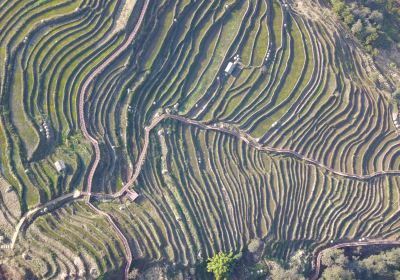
(215, 127)
(139, 164)
(94, 142)
(122, 237)
(84, 90)
(243, 137)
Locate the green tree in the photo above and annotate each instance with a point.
(393, 257)
(376, 17)
(385, 264)
(279, 273)
(299, 261)
(333, 257)
(374, 265)
(357, 28)
(133, 274)
(255, 245)
(337, 272)
(221, 265)
(371, 38)
(348, 17)
(338, 6)
(363, 12)
(392, 7)
(104, 276)
(396, 94)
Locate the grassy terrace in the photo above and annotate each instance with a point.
(73, 240)
(297, 85)
(50, 56)
(205, 192)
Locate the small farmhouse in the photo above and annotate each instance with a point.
(60, 165)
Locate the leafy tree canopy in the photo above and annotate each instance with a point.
(337, 272)
(334, 257)
(221, 265)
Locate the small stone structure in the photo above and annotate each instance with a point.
(60, 165)
(132, 195)
(230, 67)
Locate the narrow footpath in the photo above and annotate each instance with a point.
(94, 142)
(223, 128)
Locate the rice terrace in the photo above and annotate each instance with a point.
(195, 139)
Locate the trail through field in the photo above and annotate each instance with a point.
(223, 128)
(94, 142)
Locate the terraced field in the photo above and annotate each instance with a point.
(214, 192)
(297, 146)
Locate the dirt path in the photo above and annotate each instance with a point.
(94, 142)
(220, 128)
(84, 92)
(243, 137)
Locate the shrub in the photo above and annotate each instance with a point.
(290, 274)
(376, 17)
(348, 17)
(338, 6)
(221, 265)
(396, 94)
(337, 272)
(357, 28)
(332, 257)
